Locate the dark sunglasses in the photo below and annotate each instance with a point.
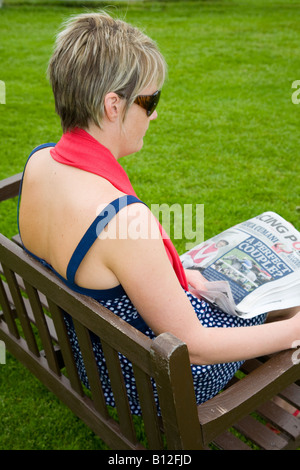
(148, 102)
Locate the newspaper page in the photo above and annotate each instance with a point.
(252, 268)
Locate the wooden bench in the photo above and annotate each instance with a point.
(32, 303)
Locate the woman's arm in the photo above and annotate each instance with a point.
(143, 268)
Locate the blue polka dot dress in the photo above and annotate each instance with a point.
(208, 379)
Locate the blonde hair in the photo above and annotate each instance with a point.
(94, 55)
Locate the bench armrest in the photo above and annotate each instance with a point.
(246, 394)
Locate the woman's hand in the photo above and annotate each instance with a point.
(195, 279)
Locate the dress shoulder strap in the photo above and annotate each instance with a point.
(94, 231)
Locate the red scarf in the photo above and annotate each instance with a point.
(79, 149)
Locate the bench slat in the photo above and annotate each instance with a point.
(42, 326)
(258, 433)
(66, 349)
(86, 348)
(292, 395)
(21, 310)
(119, 390)
(8, 312)
(152, 422)
(228, 441)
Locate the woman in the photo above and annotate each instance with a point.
(78, 209)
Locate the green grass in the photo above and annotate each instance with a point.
(227, 136)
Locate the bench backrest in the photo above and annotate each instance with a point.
(33, 301)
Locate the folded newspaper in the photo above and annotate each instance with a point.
(253, 267)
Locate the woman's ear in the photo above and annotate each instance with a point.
(112, 106)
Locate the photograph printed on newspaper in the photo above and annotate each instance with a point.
(252, 268)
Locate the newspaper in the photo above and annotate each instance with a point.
(252, 268)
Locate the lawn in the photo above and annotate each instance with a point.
(227, 136)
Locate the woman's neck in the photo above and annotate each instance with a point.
(106, 137)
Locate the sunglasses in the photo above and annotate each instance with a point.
(148, 102)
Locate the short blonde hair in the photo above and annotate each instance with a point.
(94, 55)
